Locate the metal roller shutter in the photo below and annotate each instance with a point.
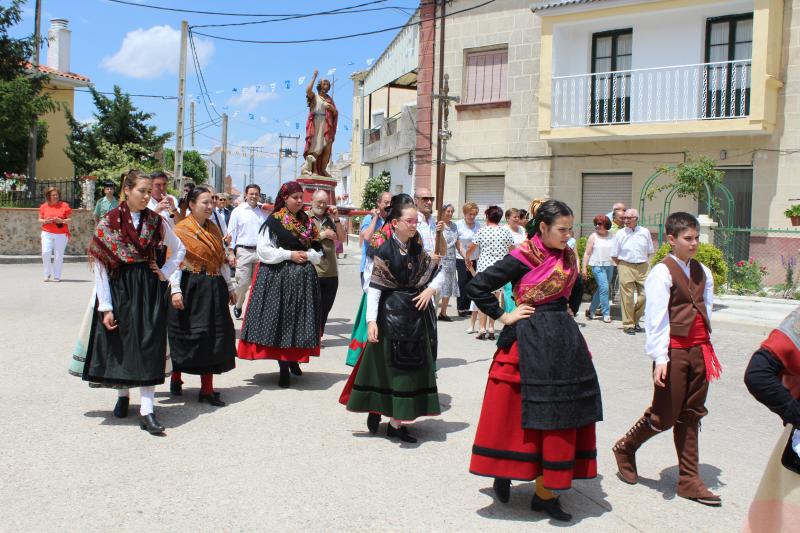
(485, 191)
(600, 192)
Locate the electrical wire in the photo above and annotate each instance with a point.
(201, 79)
(161, 96)
(220, 13)
(341, 37)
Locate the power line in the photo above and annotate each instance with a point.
(341, 37)
(220, 13)
(161, 96)
(201, 79)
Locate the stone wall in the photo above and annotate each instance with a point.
(20, 232)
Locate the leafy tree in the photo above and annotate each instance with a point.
(193, 164)
(113, 160)
(22, 101)
(373, 187)
(118, 122)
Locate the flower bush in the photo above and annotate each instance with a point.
(747, 276)
(11, 182)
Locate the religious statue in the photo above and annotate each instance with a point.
(320, 127)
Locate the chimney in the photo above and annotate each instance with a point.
(58, 45)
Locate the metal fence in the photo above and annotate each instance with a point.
(68, 189)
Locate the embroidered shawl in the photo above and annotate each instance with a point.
(552, 275)
(116, 241)
(293, 231)
(203, 244)
(396, 266)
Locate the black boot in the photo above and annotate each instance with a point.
(502, 489)
(176, 388)
(150, 424)
(400, 433)
(373, 421)
(551, 507)
(284, 380)
(121, 409)
(295, 369)
(211, 399)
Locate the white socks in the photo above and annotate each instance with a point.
(148, 394)
(396, 424)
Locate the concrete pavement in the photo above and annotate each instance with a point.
(295, 460)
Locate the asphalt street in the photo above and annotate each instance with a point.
(292, 460)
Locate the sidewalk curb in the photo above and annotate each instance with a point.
(33, 259)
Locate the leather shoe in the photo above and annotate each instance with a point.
(211, 399)
(121, 409)
(551, 507)
(502, 489)
(294, 368)
(444, 318)
(150, 424)
(400, 433)
(637, 328)
(630, 331)
(373, 421)
(176, 388)
(237, 312)
(284, 380)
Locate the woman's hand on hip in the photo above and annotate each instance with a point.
(372, 332)
(520, 312)
(424, 298)
(108, 321)
(177, 301)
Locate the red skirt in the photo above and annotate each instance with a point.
(504, 449)
(247, 350)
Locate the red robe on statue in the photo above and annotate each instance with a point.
(331, 119)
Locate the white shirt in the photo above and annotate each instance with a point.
(244, 225)
(633, 245)
(153, 203)
(601, 250)
(656, 308)
(177, 252)
(270, 253)
(519, 235)
(427, 230)
(465, 235)
(374, 295)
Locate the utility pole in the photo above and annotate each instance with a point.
(287, 152)
(191, 120)
(296, 153)
(34, 134)
(280, 161)
(444, 135)
(252, 164)
(181, 104)
(224, 158)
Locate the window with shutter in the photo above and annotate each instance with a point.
(486, 77)
(600, 193)
(485, 191)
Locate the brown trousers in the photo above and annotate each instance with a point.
(631, 280)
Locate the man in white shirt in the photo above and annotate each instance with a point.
(426, 226)
(243, 230)
(633, 247)
(161, 202)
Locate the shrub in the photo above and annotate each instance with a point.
(589, 284)
(709, 255)
(374, 187)
(747, 277)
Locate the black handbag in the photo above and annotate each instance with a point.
(790, 459)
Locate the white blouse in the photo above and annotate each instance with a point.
(270, 253)
(601, 250)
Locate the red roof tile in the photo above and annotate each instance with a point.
(44, 69)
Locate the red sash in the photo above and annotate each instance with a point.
(698, 336)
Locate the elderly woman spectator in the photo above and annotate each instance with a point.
(450, 286)
(466, 228)
(515, 226)
(494, 242)
(54, 215)
(599, 246)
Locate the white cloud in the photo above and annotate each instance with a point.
(150, 53)
(250, 97)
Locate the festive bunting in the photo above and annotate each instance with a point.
(288, 84)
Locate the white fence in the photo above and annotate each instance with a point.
(663, 94)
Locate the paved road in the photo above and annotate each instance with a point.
(296, 460)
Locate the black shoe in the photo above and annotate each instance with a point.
(588, 315)
(373, 421)
(551, 507)
(211, 399)
(284, 380)
(121, 409)
(237, 312)
(176, 388)
(444, 318)
(502, 489)
(490, 335)
(150, 424)
(630, 331)
(481, 336)
(637, 328)
(400, 433)
(294, 368)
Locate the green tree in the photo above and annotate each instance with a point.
(373, 187)
(193, 164)
(118, 122)
(113, 160)
(22, 101)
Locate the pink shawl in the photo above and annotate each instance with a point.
(552, 275)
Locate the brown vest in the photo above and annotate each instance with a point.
(686, 297)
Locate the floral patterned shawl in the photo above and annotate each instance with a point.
(552, 275)
(116, 241)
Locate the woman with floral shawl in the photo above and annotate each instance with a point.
(282, 318)
(202, 340)
(542, 398)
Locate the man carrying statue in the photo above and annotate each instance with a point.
(320, 127)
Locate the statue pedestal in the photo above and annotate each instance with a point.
(314, 183)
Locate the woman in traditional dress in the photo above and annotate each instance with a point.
(283, 314)
(773, 378)
(127, 346)
(450, 285)
(542, 398)
(395, 375)
(202, 340)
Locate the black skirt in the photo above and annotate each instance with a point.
(284, 307)
(135, 353)
(201, 336)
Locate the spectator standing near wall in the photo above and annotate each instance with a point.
(106, 203)
(54, 216)
(633, 247)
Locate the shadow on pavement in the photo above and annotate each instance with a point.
(310, 380)
(667, 483)
(430, 430)
(76, 281)
(587, 499)
(338, 329)
(450, 362)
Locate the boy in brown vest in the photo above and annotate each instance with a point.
(680, 293)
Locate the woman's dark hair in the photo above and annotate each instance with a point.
(399, 203)
(602, 220)
(129, 180)
(523, 214)
(548, 212)
(493, 214)
(195, 193)
(251, 186)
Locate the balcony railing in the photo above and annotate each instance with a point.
(664, 94)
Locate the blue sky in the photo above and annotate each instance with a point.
(137, 48)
